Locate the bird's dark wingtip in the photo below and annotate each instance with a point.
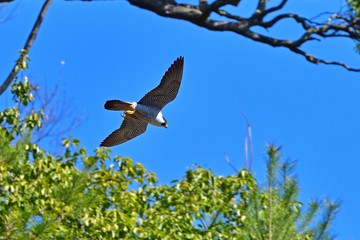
(180, 59)
(105, 143)
(179, 62)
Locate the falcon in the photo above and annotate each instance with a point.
(137, 115)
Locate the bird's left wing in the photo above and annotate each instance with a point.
(168, 88)
(130, 128)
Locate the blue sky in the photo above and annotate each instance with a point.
(113, 50)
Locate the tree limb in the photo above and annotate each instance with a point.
(278, 7)
(337, 25)
(27, 46)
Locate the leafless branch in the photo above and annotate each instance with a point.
(230, 164)
(278, 7)
(248, 144)
(316, 60)
(3, 6)
(214, 218)
(337, 25)
(27, 46)
(260, 7)
(57, 111)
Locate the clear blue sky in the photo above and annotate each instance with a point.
(113, 50)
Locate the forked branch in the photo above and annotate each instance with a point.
(337, 25)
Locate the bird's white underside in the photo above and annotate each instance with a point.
(149, 114)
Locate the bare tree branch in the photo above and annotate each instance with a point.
(316, 60)
(278, 7)
(207, 9)
(57, 114)
(337, 25)
(260, 7)
(27, 46)
(3, 6)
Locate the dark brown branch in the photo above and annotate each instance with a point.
(336, 26)
(27, 46)
(260, 7)
(207, 9)
(316, 60)
(229, 15)
(214, 219)
(298, 19)
(278, 7)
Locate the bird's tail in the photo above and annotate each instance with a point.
(118, 105)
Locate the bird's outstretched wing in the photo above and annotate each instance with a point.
(130, 128)
(168, 88)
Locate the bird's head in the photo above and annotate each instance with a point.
(164, 124)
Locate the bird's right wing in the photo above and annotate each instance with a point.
(168, 88)
(130, 128)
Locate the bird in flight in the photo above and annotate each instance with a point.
(137, 115)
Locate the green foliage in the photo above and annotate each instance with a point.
(354, 12)
(22, 91)
(76, 195)
(22, 62)
(276, 212)
(355, 6)
(11, 118)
